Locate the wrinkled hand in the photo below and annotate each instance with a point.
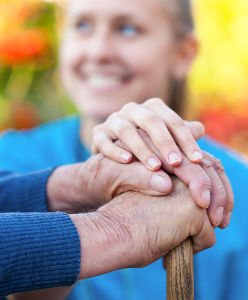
(86, 186)
(134, 230)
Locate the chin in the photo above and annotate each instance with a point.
(100, 112)
(101, 107)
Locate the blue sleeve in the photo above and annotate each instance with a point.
(37, 251)
(23, 193)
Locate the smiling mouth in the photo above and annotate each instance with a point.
(106, 81)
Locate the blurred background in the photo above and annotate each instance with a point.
(30, 91)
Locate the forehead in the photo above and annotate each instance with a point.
(145, 9)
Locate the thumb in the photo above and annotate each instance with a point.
(197, 129)
(139, 179)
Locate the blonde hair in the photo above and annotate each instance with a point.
(180, 13)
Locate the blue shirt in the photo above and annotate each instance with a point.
(37, 250)
(221, 273)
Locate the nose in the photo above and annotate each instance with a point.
(101, 46)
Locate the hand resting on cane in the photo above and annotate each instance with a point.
(206, 179)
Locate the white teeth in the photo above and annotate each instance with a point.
(103, 81)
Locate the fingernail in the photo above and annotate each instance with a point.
(227, 219)
(153, 163)
(174, 158)
(196, 156)
(218, 215)
(125, 157)
(205, 197)
(159, 183)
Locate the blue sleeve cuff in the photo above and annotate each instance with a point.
(24, 193)
(37, 251)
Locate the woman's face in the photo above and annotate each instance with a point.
(114, 52)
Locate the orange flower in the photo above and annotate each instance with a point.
(22, 46)
(220, 124)
(22, 115)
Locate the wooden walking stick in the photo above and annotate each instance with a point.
(180, 272)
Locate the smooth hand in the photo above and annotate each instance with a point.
(167, 130)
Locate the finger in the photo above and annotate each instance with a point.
(158, 106)
(191, 174)
(205, 239)
(197, 129)
(177, 128)
(184, 139)
(155, 127)
(137, 178)
(228, 188)
(218, 194)
(108, 148)
(127, 133)
(198, 181)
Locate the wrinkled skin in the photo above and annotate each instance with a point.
(134, 230)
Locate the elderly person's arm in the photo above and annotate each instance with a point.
(41, 250)
(133, 230)
(89, 185)
(38, 250)
(23, 193)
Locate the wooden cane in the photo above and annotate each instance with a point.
(180, 272)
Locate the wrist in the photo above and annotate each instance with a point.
(105, 244)
(77, 187)
(66, 189)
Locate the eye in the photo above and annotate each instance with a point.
(128, 30)
(84, 26)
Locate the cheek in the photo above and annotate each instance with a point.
(149, 58)
(151, 67)
(70, 54)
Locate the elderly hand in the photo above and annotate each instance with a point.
(134, 230)
(86, 186)
(207, 182)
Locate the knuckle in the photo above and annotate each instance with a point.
(178, 123)
(221, 196)
(206, 163)
(201, 128)
(211, 241)
(204, 180)
(151, 119)
(112, 118)
(128, 107)
(97, 129)
(175, 122)
(122, 128)
(153, 102)
(98, 139)
(218, 166)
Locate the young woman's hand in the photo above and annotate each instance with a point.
(165, 128)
